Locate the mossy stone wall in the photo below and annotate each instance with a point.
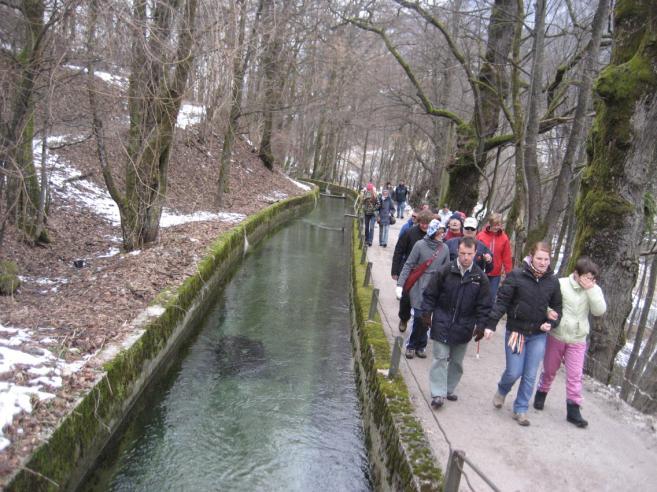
(64, 459)
(400, 455)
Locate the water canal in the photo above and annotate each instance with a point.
(264, 398)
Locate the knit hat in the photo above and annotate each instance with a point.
(370, 187)
(434, 225)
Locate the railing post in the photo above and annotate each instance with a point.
(454, 469)
(373, 306)
(368, 274)
(396, 355)
(363, 255)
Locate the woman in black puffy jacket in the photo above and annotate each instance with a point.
(524, 297)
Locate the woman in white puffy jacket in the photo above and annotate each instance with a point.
(581, 296)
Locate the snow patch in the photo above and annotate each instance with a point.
(189, 114)
(303, 186)
(46, 368)
(98, 199)
(112, 79)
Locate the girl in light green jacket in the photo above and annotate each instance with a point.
(567, 342)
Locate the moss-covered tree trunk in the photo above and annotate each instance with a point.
(23, 188)
(465, 174)
(621, 167)
(162, 56)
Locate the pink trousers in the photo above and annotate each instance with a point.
(572, 355)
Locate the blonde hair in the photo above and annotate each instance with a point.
(540, 246)
(495, 218)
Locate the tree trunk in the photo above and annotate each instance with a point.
(622, 157)
(272, 90)
(560, 194)
(237, 89)
(465, 175)
(631, 375)
(156, 86)
(22, 187)
(534, 195)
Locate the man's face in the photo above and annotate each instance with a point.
(466, 255)
(414, 218)
(455, 225)
(423, 226)
(385, 194)
(469, 232)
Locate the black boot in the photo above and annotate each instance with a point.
(539, 400)
(574, 416)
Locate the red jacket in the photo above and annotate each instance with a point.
(500, 246)
(451, 235)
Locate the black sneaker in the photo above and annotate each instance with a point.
(403, 325)
(421, 353)
(437, 402)
(410, 353)
(452, 397)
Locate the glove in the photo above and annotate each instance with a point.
(398, 292)
(426, 319)
(478, 333)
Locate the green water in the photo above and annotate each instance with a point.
(264, 398)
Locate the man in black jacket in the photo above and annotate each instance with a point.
(403, 248)
(456, 300)
(400, 195)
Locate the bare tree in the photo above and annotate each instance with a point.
(162, 56)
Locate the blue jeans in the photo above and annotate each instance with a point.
(400, 209)
(494, 283)
(370, 220)
(383, 233)
(418, 339)
(524, 366)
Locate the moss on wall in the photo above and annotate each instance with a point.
(400, 456)
(62, 461)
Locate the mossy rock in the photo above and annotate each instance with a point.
(9, 281)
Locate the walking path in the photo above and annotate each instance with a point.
(618, 451)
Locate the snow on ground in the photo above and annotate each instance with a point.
(118, 80)
(303, 186)
(86, 193)
(189, 114)
(17, 351)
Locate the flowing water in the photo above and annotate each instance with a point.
(264, 398)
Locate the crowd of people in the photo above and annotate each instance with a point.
(457, 282)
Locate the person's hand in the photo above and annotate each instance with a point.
(398, 292)
(488, 258)
(586, 282)
(426, 319)
(552, 315)
(546, 327)
(395, 277)
(480, 333)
